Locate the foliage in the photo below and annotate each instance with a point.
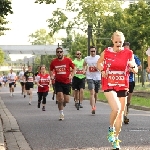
(74, 43)
(1, 56)
(41, 37)
(5, 9)
(45, 1)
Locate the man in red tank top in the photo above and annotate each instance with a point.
(61, 65)
(114, 64)
(43, 83)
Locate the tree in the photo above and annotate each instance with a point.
(87, 12)
(1, 56)
(5, 9)
(74, 43)
(41, 37)
(45, 1)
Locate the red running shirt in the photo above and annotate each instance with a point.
(116, 65)
(62, 69)
(44, 80)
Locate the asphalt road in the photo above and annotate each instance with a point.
(79, 130)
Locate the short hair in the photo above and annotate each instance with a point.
(126, 44)
(92, 47)
(59, 48)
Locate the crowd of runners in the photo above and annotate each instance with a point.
(112, 71)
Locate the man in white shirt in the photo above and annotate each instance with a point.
(11, 80)
(22, 80)
(93, 76)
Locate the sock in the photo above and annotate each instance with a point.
(61, 112)
(111, 128)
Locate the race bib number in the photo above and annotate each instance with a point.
(116, 78)
(12, 80)
(79, 72)
(92, 69)
(61, 69)
(44, 81)
(30, 79)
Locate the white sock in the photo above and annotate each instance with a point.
(61, 112)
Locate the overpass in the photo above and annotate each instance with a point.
(8, 68)
(31, 49)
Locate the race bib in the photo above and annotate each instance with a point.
(79, 72)
(61, 70)
(92, 69)
(116, 78)
(30, 79)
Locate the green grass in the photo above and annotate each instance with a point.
(137, 101)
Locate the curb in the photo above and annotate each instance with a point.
(10, 134)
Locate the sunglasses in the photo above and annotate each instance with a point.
(92, 51)
(59, 51)
(79, 54)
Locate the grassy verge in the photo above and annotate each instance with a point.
(137, 101)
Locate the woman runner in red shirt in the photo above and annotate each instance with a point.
(114, 64)
(43, 82)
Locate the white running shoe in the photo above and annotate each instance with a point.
(61, 117)
(29, 103)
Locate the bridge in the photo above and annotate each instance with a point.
(7, 68)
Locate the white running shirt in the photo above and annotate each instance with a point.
(91, 73)
(21, 75)
(11, 77)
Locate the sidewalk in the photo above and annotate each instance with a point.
(10, 135)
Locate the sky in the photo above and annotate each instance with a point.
(27, 17)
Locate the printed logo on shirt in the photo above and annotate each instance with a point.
(61, 69)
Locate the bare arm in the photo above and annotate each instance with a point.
(100, 62)
(84, 67)
(133, 65)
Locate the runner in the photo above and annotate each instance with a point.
(114, 63)
(5, 80)
(93, 76)
(1, 82)
(43, 82)
(29, 79)
(21, 79)
(78, 80)
(11, 79)
(131, 83)
(61, 65)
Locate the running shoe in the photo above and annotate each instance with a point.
(116, 145)
(43, 108)
(81, 106)
(111, 135)
(61, 117)
(93, 110)
(29, 103)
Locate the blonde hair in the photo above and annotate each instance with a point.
(118, 33)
